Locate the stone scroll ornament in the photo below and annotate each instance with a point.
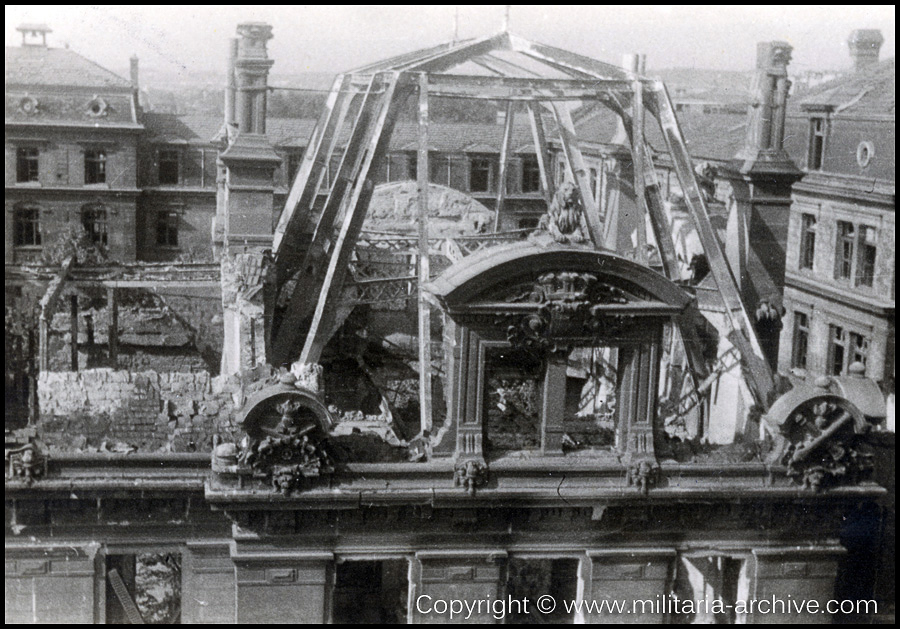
(820, 441)
(569, 306)
(291, 455)
(25, 462)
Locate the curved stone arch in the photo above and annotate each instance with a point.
(260, 414)
(489, 270)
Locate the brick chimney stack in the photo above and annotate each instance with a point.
(865, 46)
(765, 131)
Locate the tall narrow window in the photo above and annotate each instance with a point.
(480, 174)
(837, 352)
(594, 182)
(168, 166)
(94, 166)
(846, 239)
(26, 164)
(513, 381)
(27, 227)
(816, 143)
(412, 163)
(94, 221)
(859, 348)
(531, 175)
(801, 340)
(865, 267)
(167, 228)
(807, 241)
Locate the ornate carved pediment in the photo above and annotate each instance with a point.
(819, 439)
(567, 306)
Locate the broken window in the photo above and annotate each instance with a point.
(168, 166)
(27, 164)
(143, 588)
(817, 132)
(480, 174)
(859, 348)
(513, 380)
(594, 182)
(531, 174)
(590, 404)
(714, 584)
(837, 351)
(534, 578)
(807, 241)
(27, 227)
(94, 221)
(371, 592)
(94, 166)
(865, 268)
(801, 340)
(846, 240)
(167, 228)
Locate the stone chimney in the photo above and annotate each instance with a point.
(765, 126)
(246, 200)
(865, 45)
(135, 76)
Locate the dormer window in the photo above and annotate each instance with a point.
(818, 130)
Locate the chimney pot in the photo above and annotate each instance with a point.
(865, 46)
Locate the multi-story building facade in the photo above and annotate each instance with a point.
(839, 292)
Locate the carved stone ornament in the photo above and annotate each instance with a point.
(29, 105)
(820, 442)
(25, 462)
(567, 309)
(293, 454)
(644, 475)
(470, 474)
(563, 218)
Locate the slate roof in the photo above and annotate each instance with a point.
(870, 92)
(39, 66)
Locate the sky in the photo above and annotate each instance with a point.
(175, 39)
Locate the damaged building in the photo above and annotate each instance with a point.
(344, 369)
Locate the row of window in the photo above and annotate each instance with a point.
(855, 250)
(28, 165)
(844, 347)
(94, 219)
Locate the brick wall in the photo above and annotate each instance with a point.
(150, 411)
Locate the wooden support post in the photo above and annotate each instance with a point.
(744, 337)
(542, 153)
(425, 411)
(504, 161)
(637, 155)
(315, 260)
(112, 304)
(354, 215)
(73, 330)
(575, 160)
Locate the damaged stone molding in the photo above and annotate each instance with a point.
(643, 475)
(470, 474)
(25, 462)
(820, 439)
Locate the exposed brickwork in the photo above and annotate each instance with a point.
(178, 412)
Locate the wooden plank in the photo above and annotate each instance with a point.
(425, 395)
(357, 205)
(306, 183)
(761, 379)
(542, 153)
(112, 304)
(637, 160)
(575, 160)
(315, 261)
(131, 610)
(73, 331)
(455, 56)
(516, 88)
(568, 60)
(504, 162)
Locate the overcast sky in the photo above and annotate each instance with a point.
(336, 38)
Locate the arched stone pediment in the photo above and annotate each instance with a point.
(495, 275)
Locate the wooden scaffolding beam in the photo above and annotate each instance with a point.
(542, 153)
(504, 161)
(425, 398)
